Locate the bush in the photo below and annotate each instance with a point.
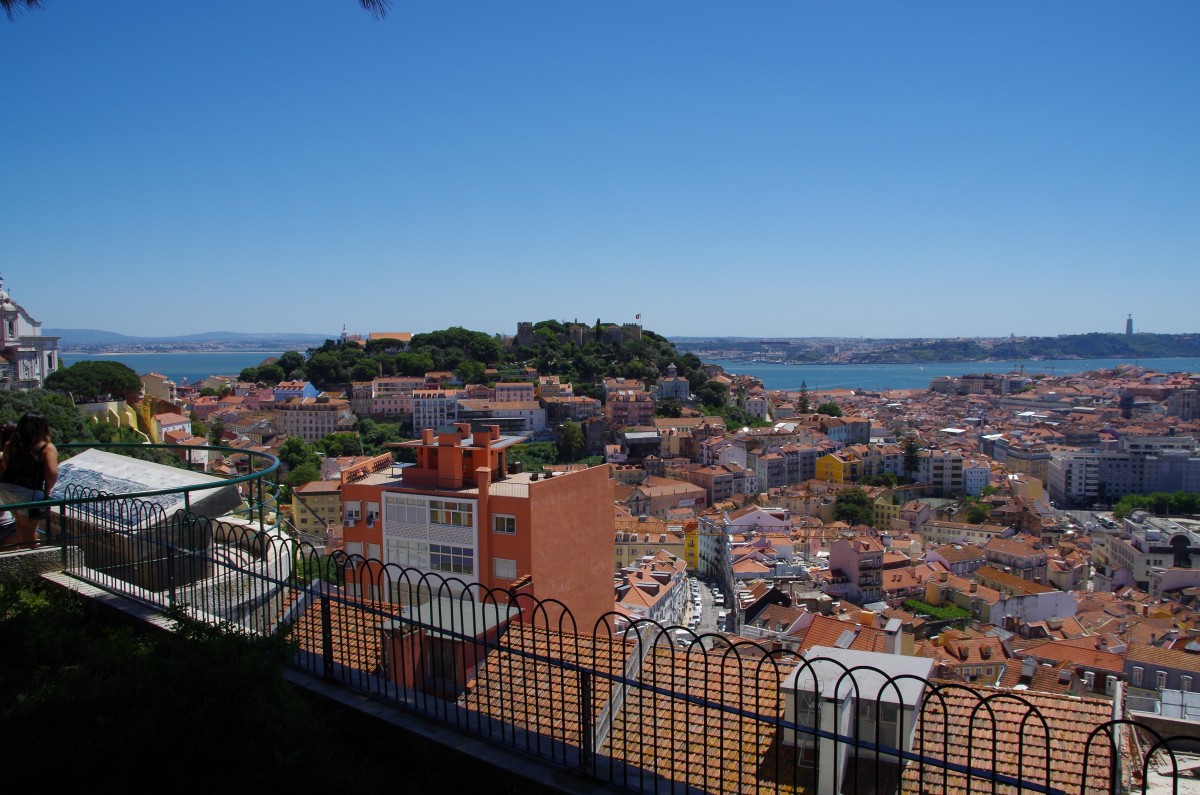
(942, 613)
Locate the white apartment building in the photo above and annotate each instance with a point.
(433, 408)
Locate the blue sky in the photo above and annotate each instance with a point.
(768, 168)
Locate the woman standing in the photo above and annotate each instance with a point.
(30, 472)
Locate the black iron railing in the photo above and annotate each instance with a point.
(625, 703)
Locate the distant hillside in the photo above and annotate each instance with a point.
(72, 337)
(921, 351)
(1069, 346)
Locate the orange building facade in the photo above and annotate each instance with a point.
(459, 513)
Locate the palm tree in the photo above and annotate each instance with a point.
(378, 8)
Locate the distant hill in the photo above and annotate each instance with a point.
(70, 337)
(921, 351)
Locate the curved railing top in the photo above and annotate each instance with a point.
(254, 475)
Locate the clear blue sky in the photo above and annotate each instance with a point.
(768, 168)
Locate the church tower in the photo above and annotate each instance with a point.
(26, 357)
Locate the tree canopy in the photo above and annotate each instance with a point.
(853, 506)
(1160, 503)
(830, 409)
(93, 381)
(66, 423)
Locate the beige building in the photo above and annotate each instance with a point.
(637, 537)
(312, 419)
(317, 506)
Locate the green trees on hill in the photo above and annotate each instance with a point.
(269, 374)
(469, 354)
(66, 423)
(93, 381)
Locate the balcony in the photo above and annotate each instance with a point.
(622, 705)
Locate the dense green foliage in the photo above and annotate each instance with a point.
(571, 441)
(853, 506)
(978, 513)
(199, 709)
(942, 613)
(469, 353)
(94, 381)
(269, 374)
(536, 456)
(830, 409)
(301, 461)
(887, 480)
(712, 393)
(66, 423)
(1159, 503)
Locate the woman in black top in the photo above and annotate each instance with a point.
(30, 471)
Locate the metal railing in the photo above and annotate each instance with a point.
(259, 486)
(618, 701)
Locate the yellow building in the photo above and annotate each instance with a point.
(691, 536)
(316, 506)
(840, 467)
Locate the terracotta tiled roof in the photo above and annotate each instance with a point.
(1083, 652)
(355, 631)
(1045, 679)
(1010, 582)
(960, 553)
(826, 631)
(689, 743)
(1165, 658)
(1033, 735)
(540, 696)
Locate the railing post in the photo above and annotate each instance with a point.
(261, 508)
(170, 550)
(326, 636)
(587, 759)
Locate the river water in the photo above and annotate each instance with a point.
(193, 367)
(199, 366)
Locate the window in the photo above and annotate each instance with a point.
(505, 525)
(455, 560)
(409, 553)
(1185, 684)
(1160, 680)
(354, 548)
(868, 709)
(459, 514)
(407, 509)
(504, 569)
(1137, 676)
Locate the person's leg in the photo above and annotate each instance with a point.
(26, 531)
